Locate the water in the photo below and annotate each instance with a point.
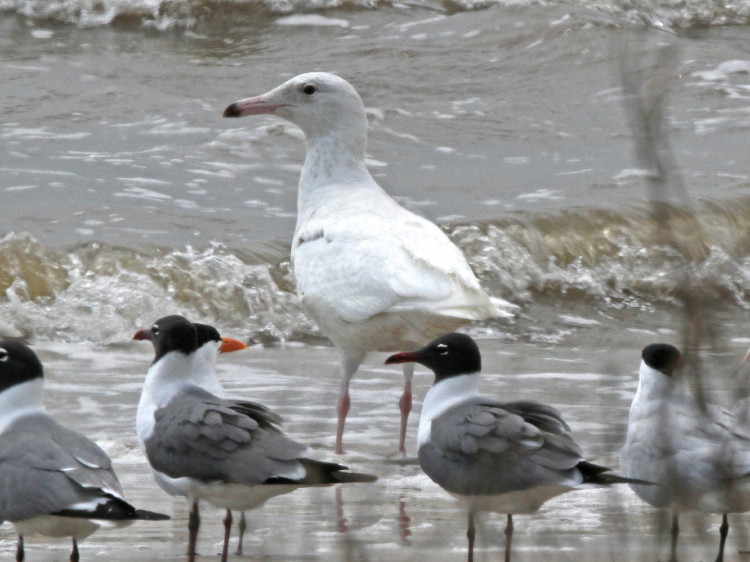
(124, 196)
(403, 516)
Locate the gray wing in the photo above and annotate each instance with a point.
(201, 436)
(47, 468)
(487, 447)
(687, 450)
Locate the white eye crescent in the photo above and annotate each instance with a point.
(442, 349)
(3, 355)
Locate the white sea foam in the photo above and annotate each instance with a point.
(312, 20)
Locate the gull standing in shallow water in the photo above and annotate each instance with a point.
(230, 453)
(698, 456)
(372, 275)
(203, 375)
(503, 457)
(53, 480)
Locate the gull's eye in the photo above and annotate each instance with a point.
(155, 330)
(442, 349)
(309, 89)
(3, 355)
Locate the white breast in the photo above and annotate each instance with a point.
(20, 400)
(442, 397)
(165, 378)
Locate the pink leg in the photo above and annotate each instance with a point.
(343, 410)
(405, 405)
(349, 366)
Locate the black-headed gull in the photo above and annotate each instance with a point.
(373, 275)
(53, 480)
(503, 457)
(230, 453)
(698, 456)
(203, 375)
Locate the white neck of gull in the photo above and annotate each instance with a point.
(20, 400)
(204, 369)
(443, 396)
(165, 378)
(335, 155)
(653, 388)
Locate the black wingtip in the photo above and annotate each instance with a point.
(321, 473)
(115, 509)
(597, 474)
(151, 515)
(608, 479)
(231, 111)
(353, 477)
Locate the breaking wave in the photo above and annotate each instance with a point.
(602, 258)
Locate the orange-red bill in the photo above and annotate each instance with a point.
(404, 357)
(230, 344)
(143, 335)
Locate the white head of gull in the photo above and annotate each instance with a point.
(697, 453)
(373, 275)
(502, 457)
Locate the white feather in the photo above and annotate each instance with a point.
(697, 460)
(442, 397)
(20, 400)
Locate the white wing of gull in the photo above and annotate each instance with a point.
(373, 275)
(230, 453)
(55, 481)
(699, 457)
(502, 457)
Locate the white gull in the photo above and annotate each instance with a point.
(373, 275)
(698, 456)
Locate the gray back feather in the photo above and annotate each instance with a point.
(487, 447)
(45, 468)
(201, 436)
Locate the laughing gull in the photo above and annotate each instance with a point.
(230, 453)
(203, 375)
(371, 274)
(53, 480)
(503, 457)
(699, 455)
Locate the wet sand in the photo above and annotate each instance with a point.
(404, 516)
